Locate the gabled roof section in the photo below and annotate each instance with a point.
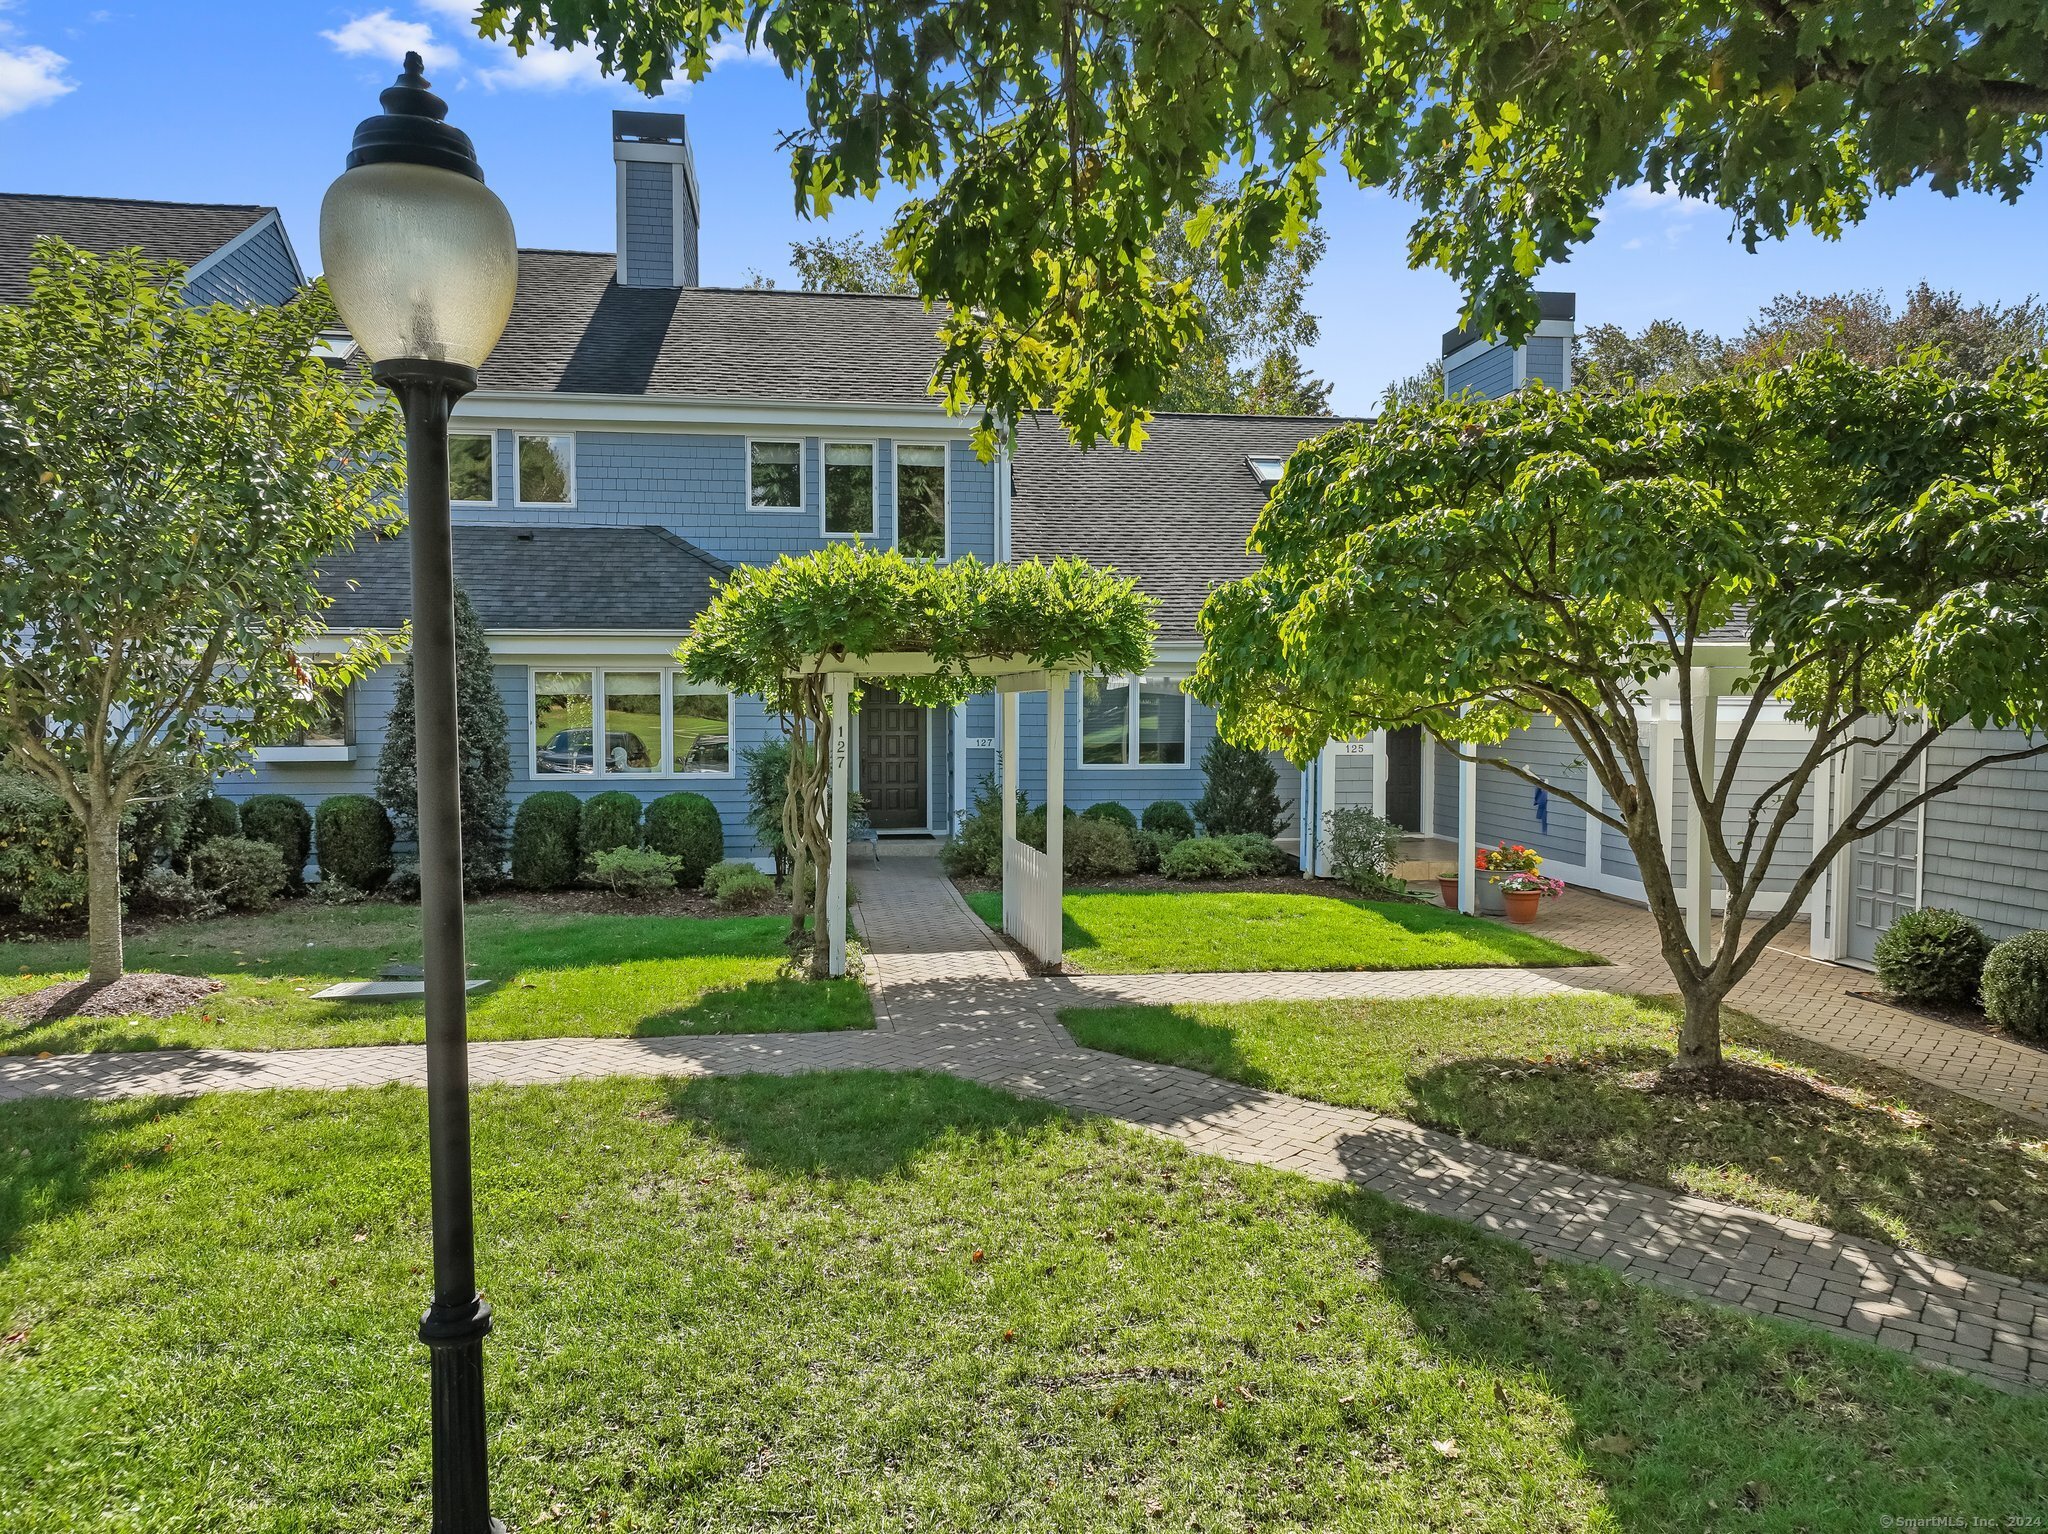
(636, 579)
(185, 232)
(575, 330)
(1175, 514)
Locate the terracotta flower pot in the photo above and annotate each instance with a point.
(1448, 888)
(1521, 905)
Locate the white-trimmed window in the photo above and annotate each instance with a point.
(849, 489)
(775, 475)
(628, 722)
(1133, 721)
(473, 468)
(327, 737)
(1266, 468)
(547, 469)
(921, 499)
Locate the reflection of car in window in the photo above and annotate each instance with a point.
(709, 753)
(570, 751)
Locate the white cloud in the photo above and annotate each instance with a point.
(383, 36)
(732, 49)
(546, 68)
(30, 77)
(1670, 202)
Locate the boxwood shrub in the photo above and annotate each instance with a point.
(1933, 955)
(288, 826)
(544, 848)
(1110, 810)
(243, 873)
(610, 820)
(2015, 985)
(353, 837)
(687, 826)
(1170, 817)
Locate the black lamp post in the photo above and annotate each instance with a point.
(422, 264)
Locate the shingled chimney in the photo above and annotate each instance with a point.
(657, 200)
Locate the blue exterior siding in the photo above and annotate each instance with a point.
(1507, 804)
(1490, 373)
(695, 485)
(1545, 360)
(650, 225)
(1984, 850)
(255, 273)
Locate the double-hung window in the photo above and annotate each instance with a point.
(1133, 721)
(628, 722)
(850, 489)
(921, 499)
(775, 476)
(547, 470)
(472, 467)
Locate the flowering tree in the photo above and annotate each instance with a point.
(169, 477)
(1467, 565)
(770, 629)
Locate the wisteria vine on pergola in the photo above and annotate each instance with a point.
(775, 630)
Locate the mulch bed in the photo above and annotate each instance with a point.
(141, 995)
(605, 903)
(1956, 1017)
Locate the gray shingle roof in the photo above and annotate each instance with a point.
(575, 330)
(593, 578)
(186, 232)
(1549, 306)
(1175, 514)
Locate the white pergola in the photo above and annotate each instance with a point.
(1033, 882)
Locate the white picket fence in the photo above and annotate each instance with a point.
(1031, 900)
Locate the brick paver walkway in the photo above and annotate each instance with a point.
(950, 998)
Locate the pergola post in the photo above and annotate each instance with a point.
(1468, 826)
(1006, 752)
(1055, 816)
(841, 698)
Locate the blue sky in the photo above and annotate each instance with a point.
(254, 101)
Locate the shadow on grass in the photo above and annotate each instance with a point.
(783, 1005)
(53, 1152)
(854, 1124)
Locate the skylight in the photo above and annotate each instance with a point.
(1266, 469)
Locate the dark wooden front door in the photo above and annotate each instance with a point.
(1404, 778)
(892, 766)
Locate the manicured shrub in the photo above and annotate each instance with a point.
(1242, 797)
(1110, 810)
(1094, 848)
(1031, 828)
(209, 817)
(544, 840)
(164, 891)
(2015, 985)
(42, 847)
(639, 872)
(486, 758)
(1262, 855)
(287, 825)
(718, 873)
(687, 827)
(748, 890)
(1150, 846)
(976, 849)
(1363, 850)
(353, 836)
(610, 820)
(767, 778)
(1933, 955)
(242, 872)
(1170, 818)
(1204, 857)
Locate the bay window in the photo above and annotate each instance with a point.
(1133, 721)
(629, 721)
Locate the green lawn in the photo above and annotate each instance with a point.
(1872, 1152)
(559, 976)
(1130, 932)
(861, 1302)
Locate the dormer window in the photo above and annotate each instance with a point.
(1266, 469)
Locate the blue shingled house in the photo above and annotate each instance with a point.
(636, 435)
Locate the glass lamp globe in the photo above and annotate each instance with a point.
(419, 253)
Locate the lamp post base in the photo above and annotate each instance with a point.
(454, 1336)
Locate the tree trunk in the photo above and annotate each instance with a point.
(1699, 1034)
(103, 897)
